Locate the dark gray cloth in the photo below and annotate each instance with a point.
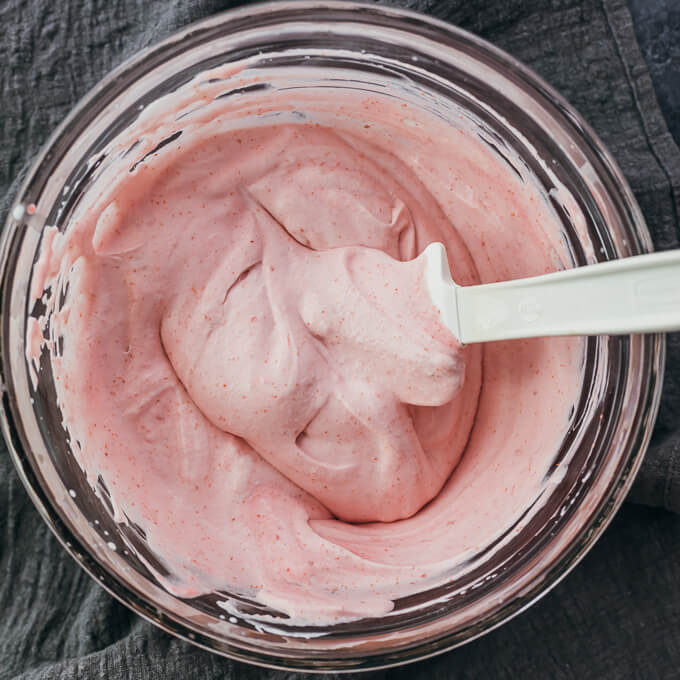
(657, 27)
(618, 614)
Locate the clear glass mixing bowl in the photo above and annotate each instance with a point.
(452, 72)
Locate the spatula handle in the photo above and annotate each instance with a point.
(638, 294)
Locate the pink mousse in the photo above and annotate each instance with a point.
(252, 364)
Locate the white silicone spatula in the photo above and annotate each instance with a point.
(633, 295)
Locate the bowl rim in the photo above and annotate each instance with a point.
(589, 533)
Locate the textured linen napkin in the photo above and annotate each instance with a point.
(618, 614)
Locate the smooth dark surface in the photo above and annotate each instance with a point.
(618, 614)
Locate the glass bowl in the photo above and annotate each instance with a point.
(454, 73)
